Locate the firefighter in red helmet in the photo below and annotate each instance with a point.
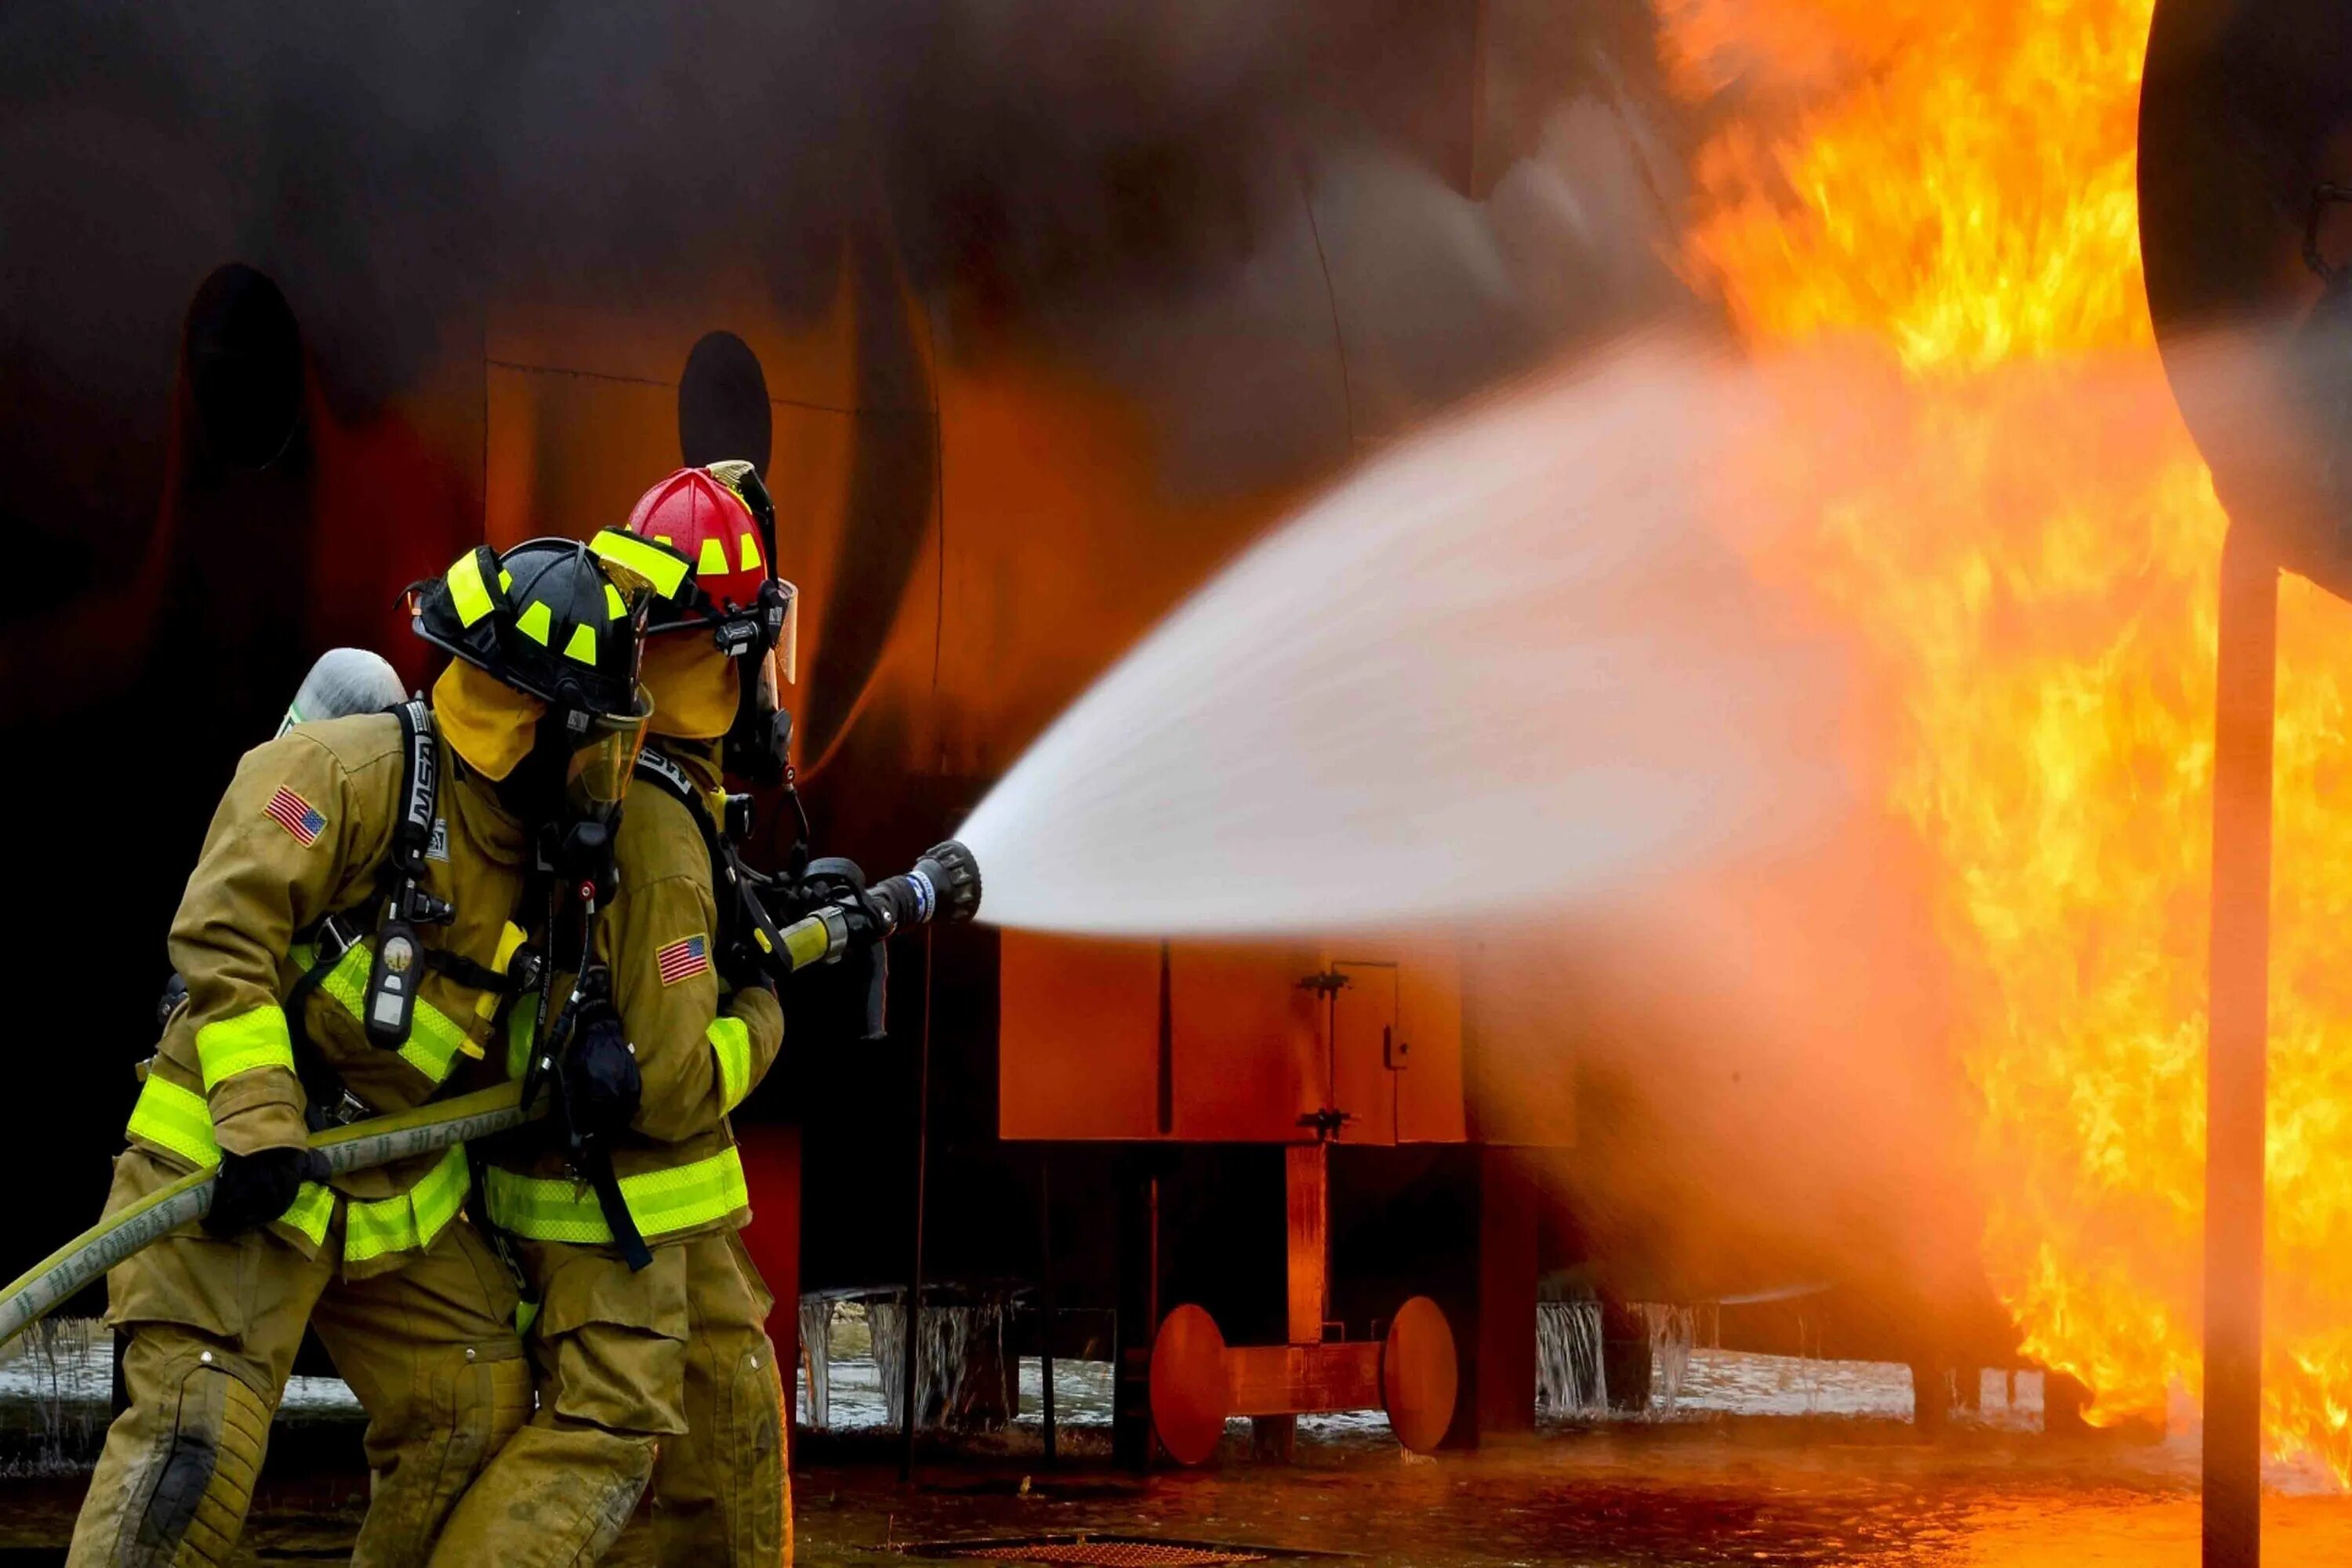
(664, 1373)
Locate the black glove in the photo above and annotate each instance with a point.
(741, 967)
(254, 1189)
(597, 1085)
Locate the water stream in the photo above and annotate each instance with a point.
(1513, 662)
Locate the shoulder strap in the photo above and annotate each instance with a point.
(671, 777)
(394, 972)
(420, 788)
(726, 868)
(673, 780)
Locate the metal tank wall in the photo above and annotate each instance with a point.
(1051, 312)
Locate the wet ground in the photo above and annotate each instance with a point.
(1717, 1491)
(1767, 1461)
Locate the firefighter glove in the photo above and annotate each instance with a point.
(597, 1085)
(254, 1189)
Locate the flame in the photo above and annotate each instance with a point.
(2027, 554)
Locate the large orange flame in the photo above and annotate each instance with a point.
(2028, 555)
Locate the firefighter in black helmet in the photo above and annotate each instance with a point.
(346, 939)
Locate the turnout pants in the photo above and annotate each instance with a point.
(721, 1492)
(663, 1377)
(429, 1348)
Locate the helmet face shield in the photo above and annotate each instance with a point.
(787, 651)
(597, 772)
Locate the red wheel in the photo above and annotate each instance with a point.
(1188, 1385)
(1418, 1375)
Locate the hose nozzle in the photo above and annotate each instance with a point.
(944, 886)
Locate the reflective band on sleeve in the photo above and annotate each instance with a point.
(665, 569)
(174, 1117)
(434, 1039)
(411, 1221)
(312, 1207)
(731, 1042)
(468, 594)
(557, 1209)
(257, 1039)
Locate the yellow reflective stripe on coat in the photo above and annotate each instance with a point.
(411, 1221)
(177, 1119)
(523, 1019)
(227, 1046)
(555, 1208)
(731, 1042)
(434, 1039)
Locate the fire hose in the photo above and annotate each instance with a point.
(379, 1140)
(943, 885)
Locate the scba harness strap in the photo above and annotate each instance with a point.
(387, 1006)
(728, 868)
(394, 977)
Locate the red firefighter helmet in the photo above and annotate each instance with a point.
(720, 518)
(707, 520)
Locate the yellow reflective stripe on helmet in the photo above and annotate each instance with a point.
(750, 553)
(468, 594)
(555, 1210)
(434, 1039)
(506, 580)
(533, 621)
(312, 1207)
(581, 645)
(731, 1042)
(412, 1220)
(665, 569)
(177, 1119)
(227, 1046)
(174, 1117)
(714, 559)
(616, 606)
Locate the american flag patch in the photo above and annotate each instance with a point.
(295, 816)
(683, 959)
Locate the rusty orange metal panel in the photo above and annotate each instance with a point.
(1282, 1380)
(1307, 1183)
(1248, 1043)
(1397, 1069)
(1079, 1037)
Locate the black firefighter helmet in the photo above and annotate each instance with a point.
(562, 622)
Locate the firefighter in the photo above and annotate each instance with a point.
(345, 941)
(661, 1373)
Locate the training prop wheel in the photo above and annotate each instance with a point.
(1188, 1385)
(1417, 1376)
